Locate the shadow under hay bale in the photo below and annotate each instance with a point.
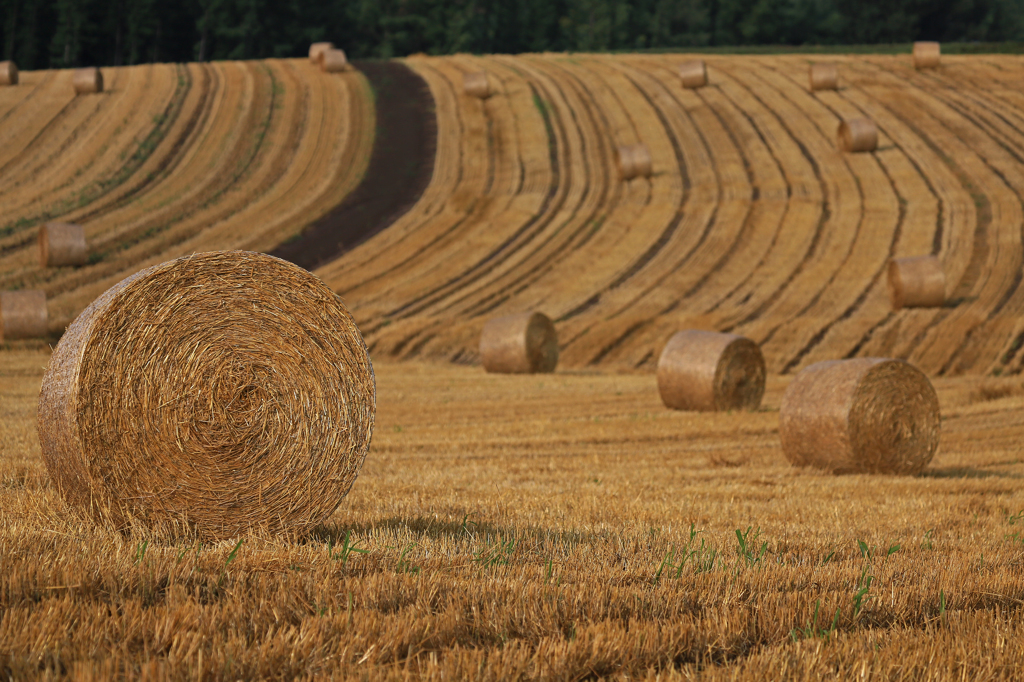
(222, 391)
(524, 343)
(333, 61)
(693, 74)
(824, 76)
(857, 135)
(87, 80)
(8, 73)
(23, 315)
(927, 55)
(62, 244)
(478, 84)
(916, 282)
(316, 51)
(867, 415)
(708, 371)
(634, 161)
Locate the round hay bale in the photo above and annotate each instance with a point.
(316, 51)
(222, 392)
(707, 371)
(867, 415)
(8, 73)
(633, 160)
(824, 76)
(23, 314)
(524, 343)
(477, 84)
(62, 244)
(916, 282)
(89, 79)
(693, 74)
(858, 135)
(333, 61)
(927, 55)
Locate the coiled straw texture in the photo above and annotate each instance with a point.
(708, 371)
(927, 55)
(916, 282)
(857, 135)
(62, 244)
(87, 80)
(220, 392)
(23, 314)
(524, 343)
(867, 415)
(8, 73)
(824, 76)
(693, 74)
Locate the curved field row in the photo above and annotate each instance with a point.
(753, 221)
(172, 159)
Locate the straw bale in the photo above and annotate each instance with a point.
(62, 244)
(708, 371)
(916, 282)
(824, 76)
(633, 160)
(333, 61)
(88, 79)
(8, 73)
(316, 51)
(524, 343)
(222, 391)
(867, 415)
(927, 55)
(477, 84)
(858, 135)
(23, 314)
(693, 74)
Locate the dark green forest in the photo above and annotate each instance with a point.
(56, 33)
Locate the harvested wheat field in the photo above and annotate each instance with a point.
(559, 526)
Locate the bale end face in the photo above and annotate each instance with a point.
(693, 74)
(708, 371)
(867, 415)
(824, 76)
(525, 343)
(87, 80)
(62, 244)
(927, 55)
(316, 51)
(23, 315)
(8, 73)
(477, 84)
(857, 135)
(916, 282)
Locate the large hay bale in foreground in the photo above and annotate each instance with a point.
(867, 415)
(477, 84)
(333, 61)
(89, 79)
(316, 51)
(8, 73)
(916, 282)
(693, 74)
(824, 76)
(633, 161)
(23, 314)
(62, 244)
(221, 391)
(524, 343)
(927, 55)
(708, 371)
(857, 135)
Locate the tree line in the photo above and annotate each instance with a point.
(60, 33)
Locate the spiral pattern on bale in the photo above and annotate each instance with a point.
(23, 314)
(223, 392)
(867, 415)
(87, 80)
(524, 343)
(62, 244)
(857, 135)
(693, 74)
(824, 76)
(8, 73)
(708, 371)
(916, 282)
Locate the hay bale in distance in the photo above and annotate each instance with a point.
(927, 55)
(708, 371)
(23, 314)
(916, 282)
(824, 76)
(693, 74)
(633, 160)
(858, 135)
(477, 84)
(316, 51)
(333, 61)
(524, 343)
(222, 391)
(89, 79)
(867, 415)
(8, 73)
(62, 244)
